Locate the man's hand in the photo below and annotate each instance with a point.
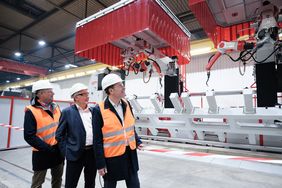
(140, 146)
(102, 171)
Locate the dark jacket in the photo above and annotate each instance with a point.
(117, 167)
(71, 134)
(47, 156)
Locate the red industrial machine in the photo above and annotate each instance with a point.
(263, 45)
(140, 36)
(143, 35)
(135, 35)
(129, 28)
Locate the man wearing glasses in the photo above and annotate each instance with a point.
(75, 137)
(115, 138)
(40, 124)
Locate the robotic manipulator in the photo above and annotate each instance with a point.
(265, 49)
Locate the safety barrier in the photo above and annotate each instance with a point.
(243, 125)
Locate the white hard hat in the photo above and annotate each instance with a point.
(41, 84)
(109, 80)
(76, 88)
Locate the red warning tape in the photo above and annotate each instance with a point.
(12, 127)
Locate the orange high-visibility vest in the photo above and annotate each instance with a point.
(115, 136)
(46, 125)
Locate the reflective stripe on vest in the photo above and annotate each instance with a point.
(132, 138)
(116, 136)
(118, 132)
(46, 126)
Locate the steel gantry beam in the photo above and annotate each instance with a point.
(20, 68)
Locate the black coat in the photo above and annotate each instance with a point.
(71, 134)
(117, 167)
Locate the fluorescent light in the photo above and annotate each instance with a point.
(18, 54)
(61, 77)
(28, 83)
(79, 74)
(90, 71)
(7, 81)
(15, 86)
(41, 43)
(70, 76)
(53, 79)
(200, 51)
(67, 66)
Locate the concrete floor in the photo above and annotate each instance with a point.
(163, 170)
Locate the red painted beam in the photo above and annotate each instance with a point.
(10, 122)
(21, 68)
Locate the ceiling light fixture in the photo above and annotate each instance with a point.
(53, 79)
(28, 84)
(67, 66)
(18, 54)
(15, 86)
(18, 78)
(79, 74)
(200, 51)
(41, 43)
(7, 81)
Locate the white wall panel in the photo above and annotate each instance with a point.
(3, 137)
(4, 118)
(135, 86)
(198, 63)
(63, 105)
(17, 139)
(220, 80)
(62, 90)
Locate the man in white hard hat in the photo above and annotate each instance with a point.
(40, 124)
(115, 137)
(75, 136)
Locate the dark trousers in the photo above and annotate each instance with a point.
(74, 168)
(38, 177)
(131, 182)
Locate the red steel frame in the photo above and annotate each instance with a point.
(10, 122)
(20, 68)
